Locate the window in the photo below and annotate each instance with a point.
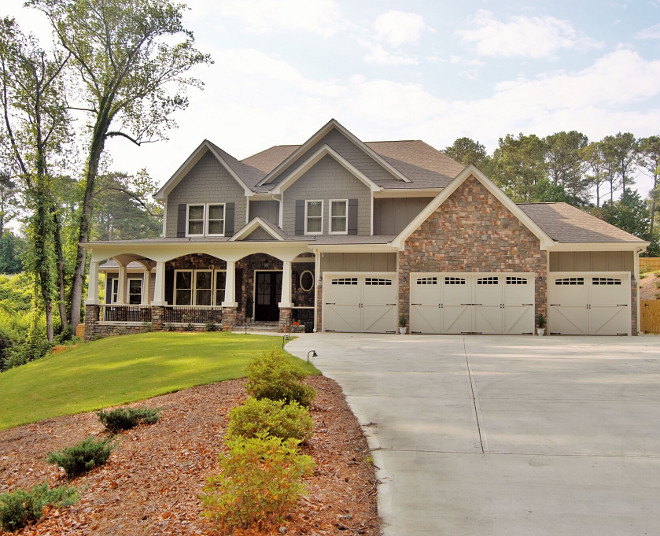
(511, 280)
(377, 282)
(220, 278)
(345, 281)
(427, 281)
(135, 291)
(488, 281)
(313, 217)
(339, 216)
(183, 287)
(307, 281)
(203, 287)
(199, 287)
(454, 281)
(195, 220)
(607, 281)
(215, 226)
(570, 281)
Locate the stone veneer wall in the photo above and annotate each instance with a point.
(472, 232)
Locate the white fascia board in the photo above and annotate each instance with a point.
(326, 150)
(599, 246)
(252, 226)
(333, 123)
(472, 171)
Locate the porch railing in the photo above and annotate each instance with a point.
(125, 313)
(181, 314)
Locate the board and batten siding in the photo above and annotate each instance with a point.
(358, 262)
(266, 210)
(327, 180)
(349, 151)
(592, 261)
(207, 182)
(392, 215)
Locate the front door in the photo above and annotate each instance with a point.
(268, 293)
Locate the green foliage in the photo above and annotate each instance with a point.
(272, 417)
(630, 214)
(261, 479)
(11, 249)
(467, 151)
(211, 326)
(271, 375)
(22, 507)
(126, 418)
(540, 321)
(82, 457)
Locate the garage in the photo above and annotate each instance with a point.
(360, 302)
(488, 303)
(589, 303)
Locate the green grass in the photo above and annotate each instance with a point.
(118, 370)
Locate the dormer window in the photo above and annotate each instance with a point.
(206, 220)
(313, 217)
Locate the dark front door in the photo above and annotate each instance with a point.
(268, 294)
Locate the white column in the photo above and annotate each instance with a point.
(230, 285)
(93, 286)
(286, 285)
(159, 288)
(146, 286)
(121, 286)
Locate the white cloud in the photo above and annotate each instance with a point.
(534, 37)
(652, 32)
(379, 56)
(398, 28)
(322, 17)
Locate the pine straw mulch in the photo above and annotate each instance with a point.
(152, 481)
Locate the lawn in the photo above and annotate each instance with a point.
(118, 370)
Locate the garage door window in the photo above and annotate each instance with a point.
(345, 281)
(516, 280)
(605, 281)
(427, 281)
(375, 281)
(454, 281)
(488, 281)
(570, 281)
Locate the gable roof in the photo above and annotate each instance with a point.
(567, 224)
(258, 223)
(472, 171)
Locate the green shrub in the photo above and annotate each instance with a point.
(125, 418)
(261, 480)
(211, 326)
(271, 375)
(82, 457)
(272, 417)
(21, 507)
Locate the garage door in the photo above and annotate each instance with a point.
(493, 303)
(360, 302)
(589, 303)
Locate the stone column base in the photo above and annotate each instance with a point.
(285, 319)
(157, 316)
(229, 316)
(91, 321)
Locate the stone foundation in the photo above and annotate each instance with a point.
(285, 319)
(229, 317)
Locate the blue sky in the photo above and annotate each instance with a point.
(420, 69)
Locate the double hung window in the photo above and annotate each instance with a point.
(339, 216)
(206, 220)
(199, 287)
(313, 217)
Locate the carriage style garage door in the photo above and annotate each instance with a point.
(589, 303)
(360, 302)
(494, 303)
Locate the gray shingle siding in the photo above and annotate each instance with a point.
(392, 215)
(207, 182)
(327, 180)
(266, 210)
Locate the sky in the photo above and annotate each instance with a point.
(420, 69)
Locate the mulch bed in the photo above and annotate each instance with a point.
(152, 481)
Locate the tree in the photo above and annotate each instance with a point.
(467, 151)
(621, 155)
(593, 156)
(630, 213)
(519, 164)
(11, 249)
(566, 165)
(35, 127)
(649, 149)
(8, 201)
(131, 72)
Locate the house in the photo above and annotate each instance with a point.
(341, 235)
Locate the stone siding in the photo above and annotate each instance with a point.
(472, 232)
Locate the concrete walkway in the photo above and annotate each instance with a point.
(490, 436)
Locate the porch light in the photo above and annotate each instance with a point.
(311, 353)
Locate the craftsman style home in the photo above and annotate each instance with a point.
(343, 235)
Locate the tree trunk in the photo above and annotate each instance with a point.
(654, 194)
(60, 272)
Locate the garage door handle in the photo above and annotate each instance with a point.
(390, 304)
(330, 303)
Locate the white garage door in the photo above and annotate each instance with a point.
(494, 303)
(589, 303)
(360, 302)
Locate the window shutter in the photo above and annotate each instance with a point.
(229, 219)
(181, 221)
(353, 216)
(300, 216)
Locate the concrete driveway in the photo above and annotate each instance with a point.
(489, 436)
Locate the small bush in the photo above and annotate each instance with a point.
(261, 480)
(272, 376)
(21, 507)
(82, 457)
(125, 418)
(211, 326)
(272, 417)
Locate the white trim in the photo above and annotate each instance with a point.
(472, 171)
(313, 233)
(256, 223)
(188, 205)
(313, 281)
(207, 219)
(330, 216)
(128, 290)
(326, 150)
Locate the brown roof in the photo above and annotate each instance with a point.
(419, 154)
(565, 223)
(269, 159)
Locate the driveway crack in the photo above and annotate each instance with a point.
(474, 398)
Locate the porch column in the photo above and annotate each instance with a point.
(146, 286)
(230, 285)
(159, 288)
(93, 286)
(121, 286)
(286, 285)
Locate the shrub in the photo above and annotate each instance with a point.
(21, 507)
(82, 457)
(272, 376)
(211, 326)
(261, 480)
(272, 417)
(125, 418)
